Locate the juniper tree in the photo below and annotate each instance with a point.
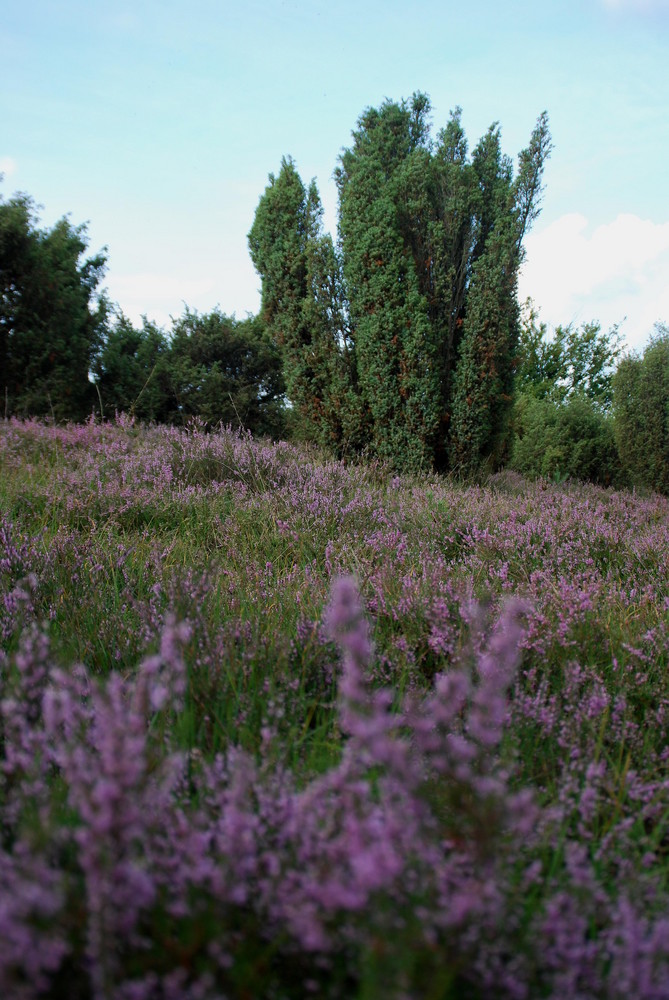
(302, 306)
(483, 380)
(504, 209)
(427, 322)
(385, 192)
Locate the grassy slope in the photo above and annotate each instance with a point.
(113, 529)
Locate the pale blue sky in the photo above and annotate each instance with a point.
(158, 123)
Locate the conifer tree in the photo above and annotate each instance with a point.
(302, 306)
(383, 186)
(483, 379)
(51, 314)
(408, 345)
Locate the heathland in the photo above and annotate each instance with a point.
(274, 725)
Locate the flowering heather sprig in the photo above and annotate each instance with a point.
(18, 579)
(33, 941)
(456, 732)
(364, 714)
(100, 744)
(25, 756)
(106, 776)
(161, 679)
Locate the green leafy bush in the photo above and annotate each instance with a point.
(564, 440)
(132, 370)
(226, 371)
(641, 409)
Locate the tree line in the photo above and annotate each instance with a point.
(66, 351)
(403, 340)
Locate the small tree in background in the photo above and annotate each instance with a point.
(51, 316)
(226, 371)
(574, 360)
(561, 422)
(641, 411)
(131, 370)
(570, 440)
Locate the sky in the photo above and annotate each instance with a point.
(157, 123)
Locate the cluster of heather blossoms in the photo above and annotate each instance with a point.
(417, 830)
(230, 769)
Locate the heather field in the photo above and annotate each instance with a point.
(277, 727)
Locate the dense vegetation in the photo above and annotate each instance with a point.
(404, 336)
(51, 324)
(403, 341)
(641, 395)
(65, 351)
(229, 770)
(277, 721)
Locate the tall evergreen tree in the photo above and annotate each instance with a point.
(430, 242)
(483, 381)
(452, 236)
(384, 188)
(302, 306)
(51, 318)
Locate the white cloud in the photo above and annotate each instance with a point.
(7, 166)
(162, 295)
(636, 6)
(158, 295)
(615, 272)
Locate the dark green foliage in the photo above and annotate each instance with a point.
(483, 384)
(561, 420)
(385, 191)
(641, 409)
(502, 209)
(132, 371)
(403, 341)
(50, 319)
(559, 440)
(302, 307)
(226, 371)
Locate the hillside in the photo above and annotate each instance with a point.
(332, 732)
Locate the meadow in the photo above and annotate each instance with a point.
(273, 726)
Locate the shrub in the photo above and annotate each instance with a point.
(641, 409)
(569, 440)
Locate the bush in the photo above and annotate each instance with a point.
(641, 410)
(227, 372)
(564, 440)
(132, 370)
